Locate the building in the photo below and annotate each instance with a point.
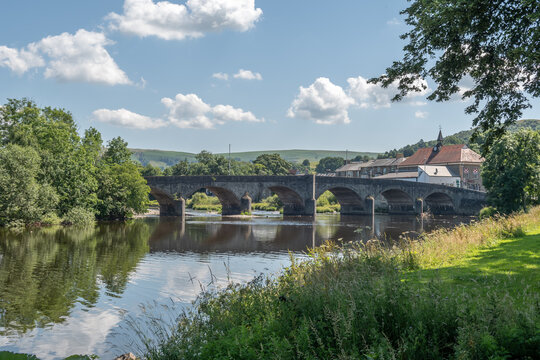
(460, 161)
(371, 168)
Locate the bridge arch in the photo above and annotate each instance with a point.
(168, 205)
(293, 204)
(230, 203)
(350, 201)
(399, 201)
(439, 203)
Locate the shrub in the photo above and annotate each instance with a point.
(79, 216)
(487, 212)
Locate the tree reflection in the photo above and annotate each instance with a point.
(45, 272)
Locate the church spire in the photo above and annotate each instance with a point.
(439, 141)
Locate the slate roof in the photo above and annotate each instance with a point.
(449, 154)
(439, 171)
(398, 175)
(355, 166)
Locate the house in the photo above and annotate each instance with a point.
(371, 168)
(441, 175)
(460, 161)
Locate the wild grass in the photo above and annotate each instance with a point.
(468, 293)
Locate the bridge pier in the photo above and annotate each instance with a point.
(307, 209)
(245, 204)
(173, 208)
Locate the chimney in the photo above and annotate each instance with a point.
(399, 155)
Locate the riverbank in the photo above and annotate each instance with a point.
(472, 292)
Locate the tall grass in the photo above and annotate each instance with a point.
(350, 301)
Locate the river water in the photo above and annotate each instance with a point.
(67, 291)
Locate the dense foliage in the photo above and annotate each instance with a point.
(211, 164)
(491, 43)
(329, 164)
(54, 170)
(511, 172)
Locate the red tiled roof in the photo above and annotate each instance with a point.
(448, 154)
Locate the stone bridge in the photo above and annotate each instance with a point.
(299, 193)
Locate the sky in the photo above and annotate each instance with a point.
(203, 74)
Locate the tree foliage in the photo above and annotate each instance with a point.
(273, 164)
(210, 164)
(61, 168)
(329, 164)
(493, 43)
(22, 198)
(122, 191)
(511, 172)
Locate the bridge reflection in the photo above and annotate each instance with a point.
(265, 235)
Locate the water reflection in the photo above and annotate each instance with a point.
(43, 273)
(263, 235)
(65, 290)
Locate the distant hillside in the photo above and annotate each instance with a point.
(168, 158)
(462, 137)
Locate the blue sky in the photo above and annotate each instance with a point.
(202, 74)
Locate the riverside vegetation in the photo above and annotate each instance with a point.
(467, 293)
(49, 174)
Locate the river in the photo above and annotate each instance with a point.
(67, 290)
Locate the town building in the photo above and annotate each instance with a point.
(462, 163)
(370, 168)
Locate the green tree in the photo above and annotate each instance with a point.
(329, 164)
(511, 172)
(122, 191)
(306, 163)
(150, 170)
(493, 43)
(274, 164)
(22, 198)
(117, 151)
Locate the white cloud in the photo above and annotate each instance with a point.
(19, 61)
(220, 76)
(326, 103)
(322, 102)
(126, 118)
(193, 19)
(225, 113)
(79, 57)
(421, 114)
(190, 111)
(247, 75)
(374, 96)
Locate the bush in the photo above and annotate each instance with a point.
(487, 212)
(51, 219)
(79, 216)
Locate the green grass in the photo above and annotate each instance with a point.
(510, 263)
(469, 293)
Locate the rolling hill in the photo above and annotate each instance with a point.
(164, 158)
(167, 158)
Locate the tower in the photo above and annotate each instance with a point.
(439, 141)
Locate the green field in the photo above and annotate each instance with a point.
(168, 158)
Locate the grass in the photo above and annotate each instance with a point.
(469, 293)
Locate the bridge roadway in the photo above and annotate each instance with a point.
(299, 193)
